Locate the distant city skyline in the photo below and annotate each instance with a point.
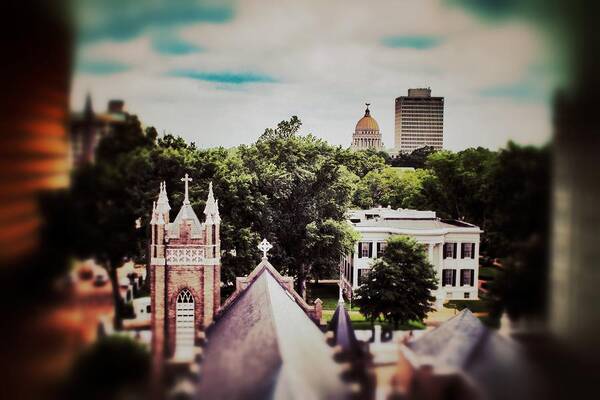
(219, 73)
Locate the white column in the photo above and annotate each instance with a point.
(355, 268)
(437, 261)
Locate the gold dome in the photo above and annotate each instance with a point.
(367, 123)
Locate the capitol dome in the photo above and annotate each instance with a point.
(367, 123)
(366, 134)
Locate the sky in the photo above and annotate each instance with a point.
(219, 72)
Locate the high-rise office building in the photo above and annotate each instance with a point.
(419, 121)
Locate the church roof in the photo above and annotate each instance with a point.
(367, 123)
(465, 345)
(264, 346)
(343, 332)
(186, 213)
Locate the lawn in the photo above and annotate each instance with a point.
(329, 292)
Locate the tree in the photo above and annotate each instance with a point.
(415, 159)
(361, 162)
(520, 288)
(518, 225)
(103, 209)
(391, 187)
(459, 183)
(398, 287)
(300, 195)
(284, 130)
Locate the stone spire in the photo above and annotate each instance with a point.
(163, 200)
(211, 210)
(88, 110)
(341, 297)
(153, 220)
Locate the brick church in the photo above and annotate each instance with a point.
(185, 273)
(264, 342)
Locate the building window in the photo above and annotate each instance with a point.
(467, 295)
(365, 249)
(184, 325)
(448, 276)
(449, 250)
(381, 246)
(363, 274)
(148, 309)
(466, 277)
(467, 250)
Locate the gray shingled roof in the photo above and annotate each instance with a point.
(342, 329)
(264, 346)
(496, 365)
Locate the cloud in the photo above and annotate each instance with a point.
(235, 78)
(126, 19)
(169, 44)
(276, 59)
(419, 42)
(101, 67)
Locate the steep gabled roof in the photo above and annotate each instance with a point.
(464, 345)
(453, 342)
(286, 283)
(264, 346)
(343, 332)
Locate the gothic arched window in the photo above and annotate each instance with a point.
(184, 325)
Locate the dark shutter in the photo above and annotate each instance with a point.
(472, 277)
(454, 275)
(472, 250)
(462, 250)
(378, 248)
(455, 251)
(360, 249)
(370, 249)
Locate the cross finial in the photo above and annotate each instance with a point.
(265, 246)
(368, 104)
(186, 179)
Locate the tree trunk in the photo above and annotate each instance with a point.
(118, 302)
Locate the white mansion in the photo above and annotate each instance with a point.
(453, 248)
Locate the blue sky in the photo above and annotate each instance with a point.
(219, 72)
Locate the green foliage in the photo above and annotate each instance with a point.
(301, 193)
(398, 287)
(115, 367)
(459, 183)
(520, 288)
(415, 159)
(284, 130)
(361, 162)
(391, 186)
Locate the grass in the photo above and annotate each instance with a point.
(329, 292)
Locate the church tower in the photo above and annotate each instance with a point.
(185, 276)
